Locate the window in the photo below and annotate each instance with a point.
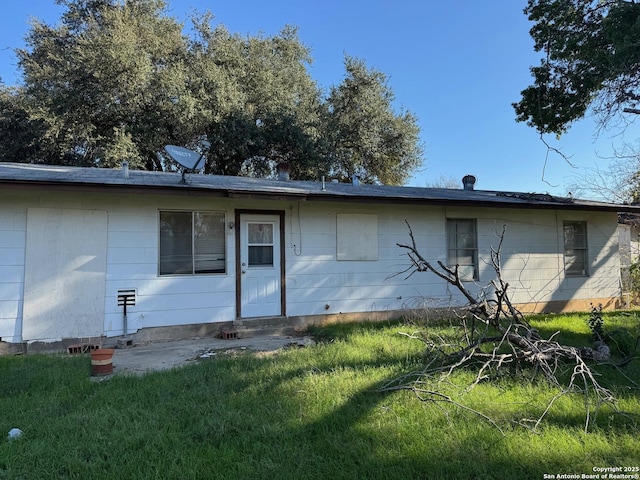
(192, 243)
(462, 247)
(260, 244)
(575, 249)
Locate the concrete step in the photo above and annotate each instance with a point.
(263, 326)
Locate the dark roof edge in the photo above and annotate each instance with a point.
(311, 196)
(486, 203)
(107, 187)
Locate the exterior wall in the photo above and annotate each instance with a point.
(532, 260)
(132, 262)
(65, 268)
(634, 243)
(629, 251)
(13, 227)
(317, 283)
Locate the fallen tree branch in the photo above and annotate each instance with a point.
(508, 342)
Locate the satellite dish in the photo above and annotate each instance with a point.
(183, 156)
(188, 159)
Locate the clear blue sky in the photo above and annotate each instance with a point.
(457, 65)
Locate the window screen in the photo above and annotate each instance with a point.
(462, 247)
(575, 249)
(192, 243)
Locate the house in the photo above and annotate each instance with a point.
(629, 252)
(79, 245)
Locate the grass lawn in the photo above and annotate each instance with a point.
(310, 413)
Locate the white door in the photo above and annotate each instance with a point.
(260, 282)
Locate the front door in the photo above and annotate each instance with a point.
(260, 268)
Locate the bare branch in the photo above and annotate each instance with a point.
(508, 341)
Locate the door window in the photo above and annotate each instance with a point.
(260, 244)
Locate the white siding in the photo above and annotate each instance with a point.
(316, 282)
(64, 274)
(532, 258)
(13, 225)
(132, 262)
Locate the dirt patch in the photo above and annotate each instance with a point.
(140, 359)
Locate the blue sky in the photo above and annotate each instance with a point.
(457, 65)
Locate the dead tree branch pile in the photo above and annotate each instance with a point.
(496, 339)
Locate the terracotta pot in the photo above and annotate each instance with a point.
(102, 361)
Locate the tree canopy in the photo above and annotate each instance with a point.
(366, 138)
(591, 60)
(117, 80)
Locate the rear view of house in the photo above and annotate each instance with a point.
(77, 245)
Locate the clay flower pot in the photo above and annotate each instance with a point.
(102, 361)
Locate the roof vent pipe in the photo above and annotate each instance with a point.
(283, 171)
(125, 169)
(468, 182)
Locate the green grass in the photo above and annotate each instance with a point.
(312, 413)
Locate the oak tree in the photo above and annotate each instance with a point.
(117, 80)
(590, 59)
(367, 137)
(107, 84)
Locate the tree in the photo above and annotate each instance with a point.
(119, 79)
(619, 182)
(108, 83)
(445, 181)
(259, 105)
(20, 132)
(592, 60)
(367, 138)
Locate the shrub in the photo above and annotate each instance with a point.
(596, 323)
(632, 281)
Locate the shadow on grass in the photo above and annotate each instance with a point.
(339, 437)
(308, 413)
(344, 330)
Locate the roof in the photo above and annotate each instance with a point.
(22, 175)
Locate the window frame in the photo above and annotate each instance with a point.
(582, 249)
(455, 260)
(194, 253)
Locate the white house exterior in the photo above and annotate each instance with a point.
(220, 251)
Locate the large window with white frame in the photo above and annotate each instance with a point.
(462, 247)
(575, 249)
(192, 243)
